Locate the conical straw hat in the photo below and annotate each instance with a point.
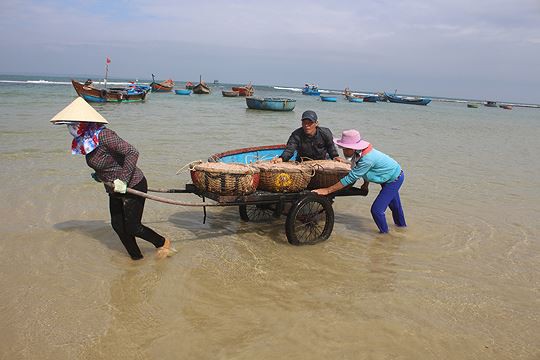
(80, 111)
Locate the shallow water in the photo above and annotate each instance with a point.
(460, 282)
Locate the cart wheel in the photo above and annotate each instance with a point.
(257, 213)
(310, 221)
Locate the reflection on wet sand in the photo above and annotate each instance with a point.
(134, 316)
(381, 264)
(95, 229)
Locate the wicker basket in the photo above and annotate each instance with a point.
(327, 172)
(225, 179)
(284, 177)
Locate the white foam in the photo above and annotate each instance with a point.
(46, 82)
(43, 82)
(287, 88)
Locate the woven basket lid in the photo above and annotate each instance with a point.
(227, 168)
(328, 165)
(290, 167)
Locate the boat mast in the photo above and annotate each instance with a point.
(106, 71)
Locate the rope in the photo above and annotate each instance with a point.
(189, 165)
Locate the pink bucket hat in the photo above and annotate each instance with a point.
(351, 139)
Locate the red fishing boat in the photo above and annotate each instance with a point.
(164, 86)
(93, 94)
(246, 90)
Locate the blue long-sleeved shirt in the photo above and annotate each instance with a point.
(375, 167)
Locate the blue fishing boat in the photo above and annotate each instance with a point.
(135, 88)
(356, 100)
(182, 92)
(250, 154)
(328, 98)
(273, 104)
(311, 89)
(407, 99)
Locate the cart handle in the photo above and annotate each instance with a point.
(162, 199)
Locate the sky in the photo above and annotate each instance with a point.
(475, 49)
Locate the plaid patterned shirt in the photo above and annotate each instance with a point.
(114, 158)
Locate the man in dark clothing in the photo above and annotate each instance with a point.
(310, 141)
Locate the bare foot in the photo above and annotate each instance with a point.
(166, 250)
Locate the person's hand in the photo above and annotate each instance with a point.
(322, 192)
(120, 186)
(365, 186)
(340, 159)
(276, 160)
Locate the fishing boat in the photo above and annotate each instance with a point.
(506, 106)
(164, 86)
(226, 93)
(350, 96)
(201, 88)
(87, 91)
(189, 85)
(311, 89)
(136, 86)
(382, 97)
(246, 90)
(273, 104)
(490, 104)
(407, 99)
(182, 92)
(328, 98)
(473, 105)
(250, 154)
(370, 98)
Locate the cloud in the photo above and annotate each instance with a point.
(416, 44)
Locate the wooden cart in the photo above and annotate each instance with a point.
(310, 217)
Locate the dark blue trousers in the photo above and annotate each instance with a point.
(388, 197)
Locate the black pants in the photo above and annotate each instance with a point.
(126, 214)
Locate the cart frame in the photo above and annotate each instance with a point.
(310, 217)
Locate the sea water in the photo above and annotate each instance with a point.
(460, 282)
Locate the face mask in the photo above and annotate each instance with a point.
(72, 128)
(355, 157)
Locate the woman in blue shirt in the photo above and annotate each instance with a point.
(373, 166)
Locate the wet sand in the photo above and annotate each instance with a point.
(460, 282)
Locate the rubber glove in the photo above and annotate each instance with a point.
(120, 186)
